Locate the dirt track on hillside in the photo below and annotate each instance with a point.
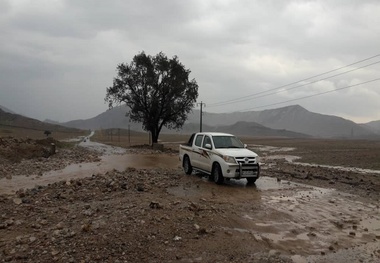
(162, 215)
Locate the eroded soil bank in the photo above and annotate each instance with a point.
(158, 214)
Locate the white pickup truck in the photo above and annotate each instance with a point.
(220, 155)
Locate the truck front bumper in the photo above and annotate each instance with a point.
(241, 171)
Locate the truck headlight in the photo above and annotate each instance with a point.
(257, 159)
(229, 159)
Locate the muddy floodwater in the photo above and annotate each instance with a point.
(298, 218)
(108, 162)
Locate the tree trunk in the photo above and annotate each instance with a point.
(154, 135)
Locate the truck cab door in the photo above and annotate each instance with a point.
(205, 156)
(197, 151)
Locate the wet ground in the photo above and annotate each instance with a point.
(307, 222)
(112, 158)
(275, 220)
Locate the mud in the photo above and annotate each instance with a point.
(138, 206)
(296, 219)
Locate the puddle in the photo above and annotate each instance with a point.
(272, 149)
(204, 188)
(293, 158)
(314, 220)
(341, 168)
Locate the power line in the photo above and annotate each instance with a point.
(296, 87)
(310, 96)
(286, 85)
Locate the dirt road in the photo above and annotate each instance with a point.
(107, 212)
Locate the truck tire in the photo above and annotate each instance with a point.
(187, 165)
(251, 180)
(217, 174)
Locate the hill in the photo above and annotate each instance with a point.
(10, 122)
(292, 118)
(112, 118)
(279, 122)
(116, 118)
(254, 129)
(373, 125)
(6, 109)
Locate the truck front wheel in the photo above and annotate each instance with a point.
(187, 165)
(251, 180)
(217, 174)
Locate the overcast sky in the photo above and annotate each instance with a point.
(58, 57)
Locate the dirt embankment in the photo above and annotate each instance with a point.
(34, 157)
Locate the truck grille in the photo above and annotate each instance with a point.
(246, 160)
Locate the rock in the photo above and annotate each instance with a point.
(17, 201)
(59, 226)
(86, 227)
(32, 239)
(177, 238)
(155, 205)
(203, 231)
(140, 188)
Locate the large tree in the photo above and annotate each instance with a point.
(156, 89)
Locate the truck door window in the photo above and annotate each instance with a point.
(190, 142)
(207, 140)
(198, 140)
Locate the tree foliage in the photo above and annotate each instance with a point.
(156, 89)
(47, 133)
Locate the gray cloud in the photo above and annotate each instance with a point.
(58, 57)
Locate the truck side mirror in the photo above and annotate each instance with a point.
(208, 146)
(245, 145)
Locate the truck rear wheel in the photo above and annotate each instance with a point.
(217, 174)
(187, 165)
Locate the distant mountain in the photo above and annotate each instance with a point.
(116, 118)
(113, 118)
(51, 121)
(6, 109)
(18, 121)
(373, 125)
(292, 118)
(254, 129)
(290, 121)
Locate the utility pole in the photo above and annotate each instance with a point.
(201, 113)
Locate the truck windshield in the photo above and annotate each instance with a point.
(227, 142)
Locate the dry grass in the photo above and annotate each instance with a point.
(350, 153)
(16, 132)
(124, 138)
